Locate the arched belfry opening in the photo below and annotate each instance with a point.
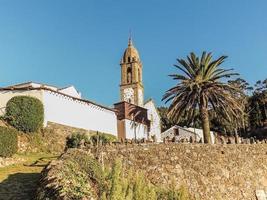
(129, 75)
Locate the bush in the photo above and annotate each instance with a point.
(104, 138)
(74, 140)
(8, 142)
(76, 175)
(133, 185)
(128, 187)
(25, 113)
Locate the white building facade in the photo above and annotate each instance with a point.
(155, 122)
(65, 106)
(184, 133)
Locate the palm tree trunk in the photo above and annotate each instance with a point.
(205, 121)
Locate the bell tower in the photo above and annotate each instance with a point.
(131, 87)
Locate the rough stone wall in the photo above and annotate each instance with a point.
(211, 172)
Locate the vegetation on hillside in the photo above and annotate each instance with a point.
(8, 142)
(76, 140)
(77, 175)
(25, 113)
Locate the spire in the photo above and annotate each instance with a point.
(130, 42)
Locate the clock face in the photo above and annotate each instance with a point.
(128, 95)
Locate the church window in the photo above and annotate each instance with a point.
(129, 75)
(129, 59)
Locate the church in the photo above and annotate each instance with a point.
(136, 119)
(130, 118)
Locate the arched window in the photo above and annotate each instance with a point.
(129, 75)
(129, 59)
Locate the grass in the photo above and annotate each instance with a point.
(20, 181)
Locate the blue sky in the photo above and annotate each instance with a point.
(80, 42)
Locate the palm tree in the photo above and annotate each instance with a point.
(200, 87)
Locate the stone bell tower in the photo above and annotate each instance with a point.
(131, 87)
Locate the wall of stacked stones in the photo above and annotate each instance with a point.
(210, 172)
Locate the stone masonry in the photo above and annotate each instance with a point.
(211, 172)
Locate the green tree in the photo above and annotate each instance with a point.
(258, 105)
(240, 125)
(166, 122)
(25, 113)
(201, 87)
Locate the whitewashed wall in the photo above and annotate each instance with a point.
(154, 117)
(199, 132)
(141, 130)
(183, 133)
(63, 110)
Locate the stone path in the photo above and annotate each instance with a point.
(20, 181)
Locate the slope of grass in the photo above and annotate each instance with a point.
(20, 181)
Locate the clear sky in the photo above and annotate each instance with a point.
(80, 42)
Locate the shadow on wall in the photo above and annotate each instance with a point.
(19, 186)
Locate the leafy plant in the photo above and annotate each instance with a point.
(126, 185)
(75, 139)
(25, 113)
(104, 138)
(123, 186)
(8, 142)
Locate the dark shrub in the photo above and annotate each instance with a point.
(8, 142)
(74, 140)
(25, 113)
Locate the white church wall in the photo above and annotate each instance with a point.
(64, 110)
(71, 91)
(6, 95)
(141, 130)
(153, 116)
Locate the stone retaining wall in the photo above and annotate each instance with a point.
(211, 172)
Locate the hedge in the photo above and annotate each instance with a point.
(8, 142)
(25, 113)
